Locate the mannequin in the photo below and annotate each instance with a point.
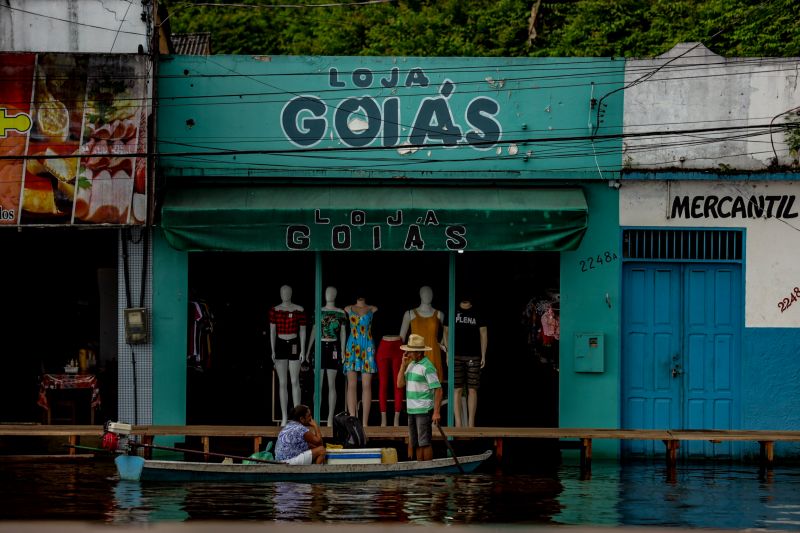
(390, 357)
(332, 322)
(471, 340)
(426, 321)
(287, 338)
(360, 356)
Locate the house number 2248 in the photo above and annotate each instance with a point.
(590, 263)
(786, 303)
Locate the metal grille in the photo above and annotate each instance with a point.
(682, 245)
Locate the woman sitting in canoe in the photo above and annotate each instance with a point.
(300, 440)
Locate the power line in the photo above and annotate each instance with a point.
(282, 6)
(71, 21)
(764, 128)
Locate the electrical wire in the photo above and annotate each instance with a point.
(71, 21)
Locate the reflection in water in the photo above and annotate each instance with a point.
(696, 495)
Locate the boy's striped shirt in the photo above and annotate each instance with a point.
(421, 380)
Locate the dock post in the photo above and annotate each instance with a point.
(672, 452)
(586, 458)
(498, 448)
(147, 440)
(73, 442)
(767, 452)
(206, 447)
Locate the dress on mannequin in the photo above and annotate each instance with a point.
(287, 334)
(426, 321)
(333, 335)
(360, 356)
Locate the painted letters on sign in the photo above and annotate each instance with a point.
(364, 120)
(712, 206)
(342, 236)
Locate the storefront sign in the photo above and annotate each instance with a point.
(295, 117)
(450, 237)
(72, 127)
(345, 218)
(364, 120)
(734, 206)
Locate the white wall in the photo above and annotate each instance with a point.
(95, 26)
(772, 250)
(702, 90)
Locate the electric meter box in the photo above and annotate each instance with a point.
(136, 325)
(589, 352)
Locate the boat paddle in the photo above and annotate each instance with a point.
(212, 454)
(450, 447)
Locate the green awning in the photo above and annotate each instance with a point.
(391, 218)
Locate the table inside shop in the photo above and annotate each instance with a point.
(68, 382)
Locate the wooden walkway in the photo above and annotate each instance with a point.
(580, 438)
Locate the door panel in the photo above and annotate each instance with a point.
(681, 341)
(651, 339)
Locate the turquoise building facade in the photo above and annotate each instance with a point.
(516, 181)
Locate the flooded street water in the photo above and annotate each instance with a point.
(726, 496)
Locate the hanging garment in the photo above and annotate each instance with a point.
(429, 327)
(389, 358)
(359, 355)
(201, 326)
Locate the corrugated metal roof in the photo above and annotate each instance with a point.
(192, 44)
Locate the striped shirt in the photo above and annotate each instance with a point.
(421, 380)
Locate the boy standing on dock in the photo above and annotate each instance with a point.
(423, 395)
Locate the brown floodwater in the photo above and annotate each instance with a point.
(701, 495)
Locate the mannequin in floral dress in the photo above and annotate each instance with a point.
(359, 356)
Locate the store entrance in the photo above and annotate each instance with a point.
(59, 297)
(232, 383)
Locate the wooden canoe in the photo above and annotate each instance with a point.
(136, 468)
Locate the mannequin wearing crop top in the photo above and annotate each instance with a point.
(287, 337)
(334, 335)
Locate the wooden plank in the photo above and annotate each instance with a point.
(47, 458)
(37, 430)
(401, 433)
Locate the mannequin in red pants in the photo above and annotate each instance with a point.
(388, 358)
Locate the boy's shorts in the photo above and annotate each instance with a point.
(420, 429)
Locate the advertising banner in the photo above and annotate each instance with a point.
(78, 124)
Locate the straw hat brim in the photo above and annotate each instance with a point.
(407, 348)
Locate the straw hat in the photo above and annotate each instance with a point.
(416, 343)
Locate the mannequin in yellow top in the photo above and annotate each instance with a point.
(426, 321)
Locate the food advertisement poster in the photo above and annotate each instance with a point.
(79, 122)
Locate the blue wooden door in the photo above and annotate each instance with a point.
(681, 349)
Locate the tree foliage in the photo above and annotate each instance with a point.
(593, 28)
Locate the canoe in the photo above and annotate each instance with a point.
(136, 468)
